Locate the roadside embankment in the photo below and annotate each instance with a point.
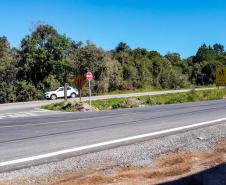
(192, 96)
(150, 162)
(139, 101)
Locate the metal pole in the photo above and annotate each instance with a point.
(80, 95)
(89, 94)
(65, 92)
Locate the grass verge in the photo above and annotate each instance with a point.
(191, 96)
(70, 106)
(115, 103)
(61, 106)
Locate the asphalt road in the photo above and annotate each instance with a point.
(54, 136)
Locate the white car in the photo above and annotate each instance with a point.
(59, 93)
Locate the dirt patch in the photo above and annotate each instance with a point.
(170, 166)
(134, 102)
(77, 106)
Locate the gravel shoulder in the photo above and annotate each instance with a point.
(140, 163)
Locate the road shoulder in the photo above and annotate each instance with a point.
(124, 159)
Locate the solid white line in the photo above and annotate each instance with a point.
(92, 146)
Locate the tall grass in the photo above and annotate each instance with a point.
(191, 96)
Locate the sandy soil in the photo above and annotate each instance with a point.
(170, 166)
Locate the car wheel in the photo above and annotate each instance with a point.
(73, 95)
(53, 97)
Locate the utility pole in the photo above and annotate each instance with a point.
(65, 92)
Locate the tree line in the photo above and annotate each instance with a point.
(46, 60)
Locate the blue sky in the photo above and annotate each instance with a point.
(163, 25)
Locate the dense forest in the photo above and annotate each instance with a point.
(46, 60)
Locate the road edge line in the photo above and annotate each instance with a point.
(106, 143)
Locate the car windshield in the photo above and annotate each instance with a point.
(60, 89)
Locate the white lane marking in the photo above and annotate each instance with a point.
(38, 111)
(17, 115)
(35, 112)
(92, 146)
(2, 116)
(31, 113)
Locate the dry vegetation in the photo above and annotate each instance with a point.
(170, 166)
(167, 167)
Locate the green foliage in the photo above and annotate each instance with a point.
(45, 52)
(51, 83)
(122, 47)
(47, 59)
(88, 58)
(27, 92)
(7, 73)
(61, 106)
(173, 79)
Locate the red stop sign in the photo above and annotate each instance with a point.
(89, 76)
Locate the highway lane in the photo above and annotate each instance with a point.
(33, 136)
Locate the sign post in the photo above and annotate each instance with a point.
(79, 82)
(221, 76)
(65, 92)
(89, 77)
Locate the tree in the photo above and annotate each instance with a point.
(153, 54)
(45, 52)
(218, 49)
(157, 70)
(27, 92)
(122, 47)
(47, 59)
(172, 78)
(8, 72)
(4, 48)
(204, 53)
(208, 72)
(174, 58)
(115, 74)
(89, 58)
